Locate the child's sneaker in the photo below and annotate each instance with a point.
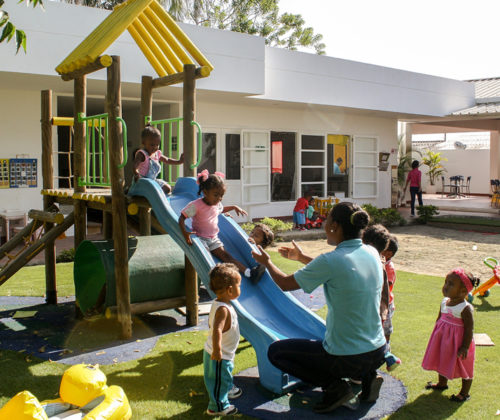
(229, 411)
(392, 362)
(235, 392)
(256, 273)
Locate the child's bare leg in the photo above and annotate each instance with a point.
(466, 384)
(224, 256)
(441, 384)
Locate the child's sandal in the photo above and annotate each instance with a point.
(436, 387)
(459, 398)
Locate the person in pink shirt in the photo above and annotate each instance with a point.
(148, 160)
(415, 180)
(205, 212)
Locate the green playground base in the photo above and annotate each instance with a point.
(156, 271)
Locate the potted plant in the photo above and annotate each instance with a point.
(433, 161)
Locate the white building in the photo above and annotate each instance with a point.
(305, 110)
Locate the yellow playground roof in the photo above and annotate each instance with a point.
(160, 39)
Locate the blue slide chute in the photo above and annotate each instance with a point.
(265, 312)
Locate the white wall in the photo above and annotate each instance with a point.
(20, 134)
(474, 163)
(307, 121)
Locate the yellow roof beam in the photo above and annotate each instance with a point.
(173, 60)
(103, 36)
(146, 50)
(181, 36)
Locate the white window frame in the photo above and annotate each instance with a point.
(267, 166)
(300, 166)
(355, 152)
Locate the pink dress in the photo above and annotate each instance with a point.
(446, 339)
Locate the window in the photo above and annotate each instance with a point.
(208, 152)
(338, 164)
(282, 166)
(233, 161)
(312, 164)
(365, 167)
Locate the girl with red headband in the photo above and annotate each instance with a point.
(451, 348)
(205, 212)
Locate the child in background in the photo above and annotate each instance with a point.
(387, 254)
(222, 341)
(261, 235)
(147, 161)
(299, 211)
(205, 212)
(451, 348)
(379, 237)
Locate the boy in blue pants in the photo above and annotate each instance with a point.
(223, 339)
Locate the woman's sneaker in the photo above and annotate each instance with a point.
(229, 411)
(235, 392)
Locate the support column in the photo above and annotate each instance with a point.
(116, 145)
(146, 111)
(189, 100)
(48, 201)
(79, 156)
(494, 154)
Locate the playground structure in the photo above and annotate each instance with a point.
(266, 313)
(483, 289)
(99, 154)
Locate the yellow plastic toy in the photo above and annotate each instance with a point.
(84, 395)
(484, 288)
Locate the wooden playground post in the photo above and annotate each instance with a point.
(146, 111)
(80, 88)
(116, 145)
(48, 183)
(189, 101)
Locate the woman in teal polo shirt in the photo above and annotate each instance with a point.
(354, 343)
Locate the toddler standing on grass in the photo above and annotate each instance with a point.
(451, 349)
(222, 341)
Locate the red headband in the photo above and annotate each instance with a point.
(460, 272)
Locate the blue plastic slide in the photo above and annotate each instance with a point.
(265, 312)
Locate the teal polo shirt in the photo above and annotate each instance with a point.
(352, 279)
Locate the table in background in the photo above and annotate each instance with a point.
(9, 216)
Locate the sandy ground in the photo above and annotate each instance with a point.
(432, 250)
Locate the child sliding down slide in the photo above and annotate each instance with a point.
(205, 212)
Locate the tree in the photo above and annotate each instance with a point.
(433, 161)
(9, 29)
(255, 17)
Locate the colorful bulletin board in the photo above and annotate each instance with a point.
(4, 173)
(23, 173)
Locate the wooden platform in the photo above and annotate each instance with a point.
(98, 195)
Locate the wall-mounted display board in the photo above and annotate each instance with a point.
(4, 173)
(23, 173)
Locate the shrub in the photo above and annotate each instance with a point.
(68, 255)
(387, 217)
(276, 225)
(426, 213)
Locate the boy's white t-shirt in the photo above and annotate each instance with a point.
(230, 338)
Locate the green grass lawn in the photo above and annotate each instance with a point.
(168, 383)
(469, 220)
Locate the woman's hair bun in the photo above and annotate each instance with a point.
(360, 219)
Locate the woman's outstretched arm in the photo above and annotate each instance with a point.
(285, 282)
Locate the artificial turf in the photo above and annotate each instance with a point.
(168, 382)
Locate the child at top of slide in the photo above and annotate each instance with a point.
(222, 341)
(205, 212)
(147, 161)
(451, 348)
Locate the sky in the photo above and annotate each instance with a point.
(457, 39)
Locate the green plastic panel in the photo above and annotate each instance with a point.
(156, 270)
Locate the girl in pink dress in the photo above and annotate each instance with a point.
(205, 212)
(451, 348)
